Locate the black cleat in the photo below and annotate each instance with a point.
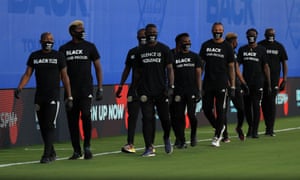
(75, 156)
(45, 160)
(87, 153)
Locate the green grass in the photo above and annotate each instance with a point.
(264, 158)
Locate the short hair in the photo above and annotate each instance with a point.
(179, 36)
(74, 24)
(150, 26)
(230, 36)
(251, 29)
(216, 23)
(44, 34)
(268, 30)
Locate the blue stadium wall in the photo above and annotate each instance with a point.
(112, 26)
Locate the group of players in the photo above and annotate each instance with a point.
(164, 82)
(169, 83)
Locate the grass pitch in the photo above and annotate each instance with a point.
(263, 158)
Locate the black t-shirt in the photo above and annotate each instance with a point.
(131, 62)
(253, 60)
(185, 65)
(276, 54)
(47, 67)
(153, 61)
(79, 57)
(216, 57)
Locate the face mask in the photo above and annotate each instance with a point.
(142, 40)
(47, 46)
(151, 38)
(251, 39)
(186, 47)
(79, 35)
(217, 35)
(271, 38)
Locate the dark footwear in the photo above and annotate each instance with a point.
(45, 160)
(226, 140)
(75, 156)
(181, 146)
(193, 142)
(168, 146)
(87, 153)
(240, 134)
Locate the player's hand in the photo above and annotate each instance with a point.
(17, 93)
(282, 85)
(245, 88)
(99, 94)
(118, 93)
(231, 92)
(69, 103)
(198, 96)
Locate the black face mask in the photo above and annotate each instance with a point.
(151, 38)
(79, 35)
(217, 35)
(251, 39)
(47, 46)
(186, 47)
(142, 40)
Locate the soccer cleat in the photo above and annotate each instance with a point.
(181, 146)
(226, 140)
(240, 134)
(45, 160)
(268, 133)
(193, 142)
(215, 142)
(87, 153)
(128, 148)
(149, 152)
(75, 156)
(168, 146)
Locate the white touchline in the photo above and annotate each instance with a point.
(114, 152)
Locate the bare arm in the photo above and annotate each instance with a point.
(125, 74)
(66, 81)
(25, 78)
(284, 70)
(170, 72)
(239, 74)
(98, 70)
(199, 78)
(267, 74)
(231, 74)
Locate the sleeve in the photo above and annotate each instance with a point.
(170, 57)
(30, 61)
(131, 56)
(94, 53)
(230, 53)
(283, 53)
(198, 63)
(239, 56)
(61, 61)
(264, 56)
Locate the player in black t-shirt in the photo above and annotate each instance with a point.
(133, 103)
(218, 57)
(80, 54)
(154, 66)
(241, 89)
(187, 92)
(49, 66)
(277, 57)
(253, 57)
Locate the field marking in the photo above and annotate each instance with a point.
(112, 152)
